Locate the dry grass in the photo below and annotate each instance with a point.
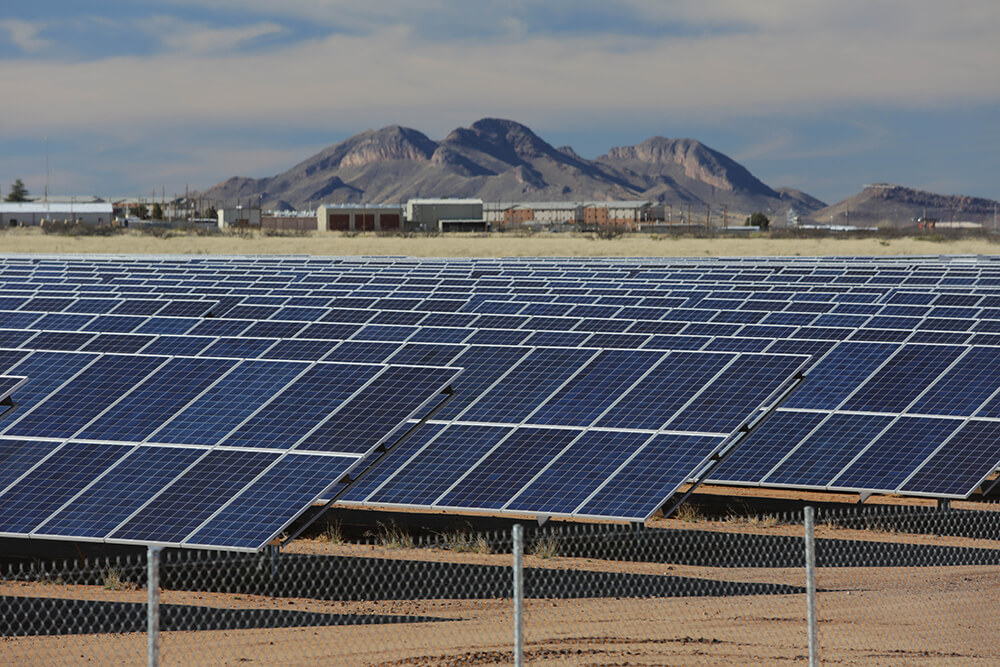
(479, 245)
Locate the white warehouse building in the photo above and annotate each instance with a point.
(14, 214)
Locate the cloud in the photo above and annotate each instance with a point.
(24, 35)
(393, 74)
(198, 38)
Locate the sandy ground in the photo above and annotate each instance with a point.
(868, 616)
(495, 245)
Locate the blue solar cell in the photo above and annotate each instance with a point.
(497, 337)
(58, 340)
(271, 502)
(483, 365)
(299, 348)
(19, 456)
(501, 474)
(425, 354)
(825, 452)
(122, 343)
(139, 307)
(431, 472)
(35, 496)
(833, 378)
(389, 464)
(329, 331)
(270, 329)
(609, 326)
(194, 497)
(9, 358)
(62, 322)
(47, 304)
(69, 408)
(178, 345)
(368, 419)
(217, 327)
(362, 352)
(243, 312)
(157, 399)
(577, 472)
(729, 401)
(557, 339)
(896, 453)
(120, 492)
(168, 325)
(302, 406)
(881, 335)
(348, 316)
(187, 308)
(645, 482)
(229, 402)
(754, 458)
(966, 386)
(532, 381)
(668, 342)
(400, 317)
(114, 323)
(903, 378)
(238, 348)
(658, 396)
(551, 323)
(18, 320)
(961, 464)
(735, 344)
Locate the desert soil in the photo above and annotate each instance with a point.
(495, 245)
(868, 616)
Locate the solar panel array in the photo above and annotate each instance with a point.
(588, 386)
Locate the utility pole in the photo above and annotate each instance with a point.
(725, 217)
(708, 217)
(689, 217)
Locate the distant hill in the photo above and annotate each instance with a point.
(886, 205)
(501, 160)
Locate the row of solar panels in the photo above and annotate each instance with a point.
(514, 462)
(139, 449)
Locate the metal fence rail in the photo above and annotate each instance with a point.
(892, 585)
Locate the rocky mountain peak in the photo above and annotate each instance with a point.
(390, 143)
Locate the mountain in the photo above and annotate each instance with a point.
(887, 205)
(502, 161)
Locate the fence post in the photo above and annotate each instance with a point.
(810, 526)
(153, 605)
(518, 534)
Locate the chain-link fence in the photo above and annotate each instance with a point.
(895, 585)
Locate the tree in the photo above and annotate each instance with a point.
(211, 213)
(17, 192)
(758, 219)
(157, 211)
(138, 211)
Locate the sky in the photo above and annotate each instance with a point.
(126, 97)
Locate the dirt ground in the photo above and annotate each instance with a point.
(868, 616)
(478, 245)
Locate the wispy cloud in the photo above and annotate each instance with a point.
(190, 37)
(24, 35)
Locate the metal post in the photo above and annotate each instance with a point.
(810, 525)
(518, 595)
(153, 605)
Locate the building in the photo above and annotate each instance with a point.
(359, 217)
(446, 214)
(14, 214)
(289, 221)
(239, 217)
(545, 213)
(624, 213)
